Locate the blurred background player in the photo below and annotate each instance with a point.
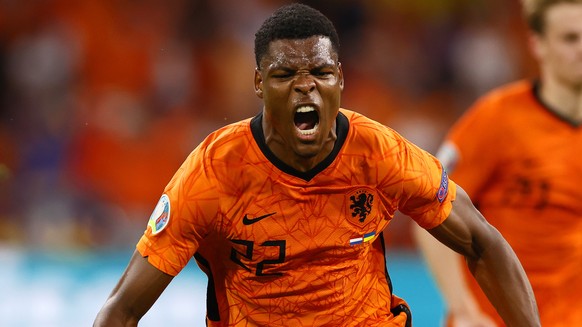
(517, 154)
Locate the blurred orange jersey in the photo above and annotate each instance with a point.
(288, 248)
(521, 164)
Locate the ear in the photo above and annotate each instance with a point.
(340, 75)
(258, 83)
(537, 45)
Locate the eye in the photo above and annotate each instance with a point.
(322, 72)
(282, 74)
(571, 37)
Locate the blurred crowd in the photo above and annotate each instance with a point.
(101, 101)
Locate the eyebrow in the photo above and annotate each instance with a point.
(287, 67)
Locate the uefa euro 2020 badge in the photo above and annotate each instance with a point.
(161, 215)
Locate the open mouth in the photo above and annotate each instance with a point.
(306, 120)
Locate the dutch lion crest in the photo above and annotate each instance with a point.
(361, 204)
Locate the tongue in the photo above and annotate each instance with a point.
(305, 126)
(305, 121)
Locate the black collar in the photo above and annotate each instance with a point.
(536, 89)
(343, 127)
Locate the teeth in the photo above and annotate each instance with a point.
(309, 131)
(305, 109)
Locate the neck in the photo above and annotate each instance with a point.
(286, 154)
(563, 98)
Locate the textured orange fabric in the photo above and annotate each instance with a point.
(522, 166)
(281, 250)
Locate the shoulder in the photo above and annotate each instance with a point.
(372, 138)
(224, 146)
(518, 94)
(500, 106)
(227, 138)
(362, 127)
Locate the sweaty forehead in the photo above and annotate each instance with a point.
(316, 50)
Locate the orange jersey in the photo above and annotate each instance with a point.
(522, 166)
(288, 248)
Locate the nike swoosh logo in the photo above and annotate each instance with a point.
(248, 221)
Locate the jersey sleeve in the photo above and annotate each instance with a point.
(427, 191)
(471, 150)
(184, 215)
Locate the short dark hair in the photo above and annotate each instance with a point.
(293, 21)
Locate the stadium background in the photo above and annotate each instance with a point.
(100, 101)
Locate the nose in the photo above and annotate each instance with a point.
(304, 84)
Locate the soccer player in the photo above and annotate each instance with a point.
(517, 153)
(284, 211)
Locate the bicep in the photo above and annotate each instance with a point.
(465, 230)
(137, 290)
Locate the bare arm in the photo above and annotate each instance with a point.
(137, 290)
(491, 261)
(447, 269)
